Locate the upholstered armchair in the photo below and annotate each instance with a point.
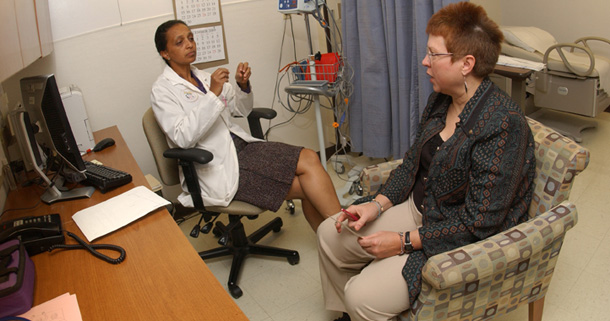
(497, 275)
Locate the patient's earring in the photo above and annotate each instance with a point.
(465, 84)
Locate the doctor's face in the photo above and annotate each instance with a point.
(181, 47)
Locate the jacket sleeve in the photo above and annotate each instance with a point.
(241, 103)
(496, 172)
(183, 128)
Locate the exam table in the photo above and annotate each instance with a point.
(575, 80)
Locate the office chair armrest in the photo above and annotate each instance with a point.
(254, 120)
(196, 155)
(500, 253)
(266, 113)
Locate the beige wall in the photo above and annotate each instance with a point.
(566, 20)
(115, 68)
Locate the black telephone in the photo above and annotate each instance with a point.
(37, 233)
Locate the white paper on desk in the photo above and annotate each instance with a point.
(110, 215)
(62, 308)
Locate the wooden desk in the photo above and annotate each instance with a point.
(162, 277)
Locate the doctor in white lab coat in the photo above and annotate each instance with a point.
(193, 119)
(194, 109)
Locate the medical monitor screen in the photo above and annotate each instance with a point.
(49, 121)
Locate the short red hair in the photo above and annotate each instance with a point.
(467, 30)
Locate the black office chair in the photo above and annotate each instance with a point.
(232, 237)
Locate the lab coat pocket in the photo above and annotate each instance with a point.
(216, 184)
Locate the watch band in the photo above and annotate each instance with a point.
(408, 247)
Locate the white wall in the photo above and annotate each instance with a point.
(566, 20)
(116, 66)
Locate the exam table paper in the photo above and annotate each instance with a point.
(112, 214)
(520, 63)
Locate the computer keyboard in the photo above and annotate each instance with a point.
(105, 178)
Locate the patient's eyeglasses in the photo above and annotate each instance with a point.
(431, 54)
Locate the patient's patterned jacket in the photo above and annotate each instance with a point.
(479, 182)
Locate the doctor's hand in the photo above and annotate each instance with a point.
(381, 244)
(242, 75)
(218, 78)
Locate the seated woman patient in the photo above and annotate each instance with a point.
(467, 176)
(194, 109)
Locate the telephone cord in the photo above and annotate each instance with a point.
(93, 249)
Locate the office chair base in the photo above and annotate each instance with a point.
(240, 246)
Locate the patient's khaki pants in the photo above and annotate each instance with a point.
(376, 291)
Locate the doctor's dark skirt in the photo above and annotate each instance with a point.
(266, 172)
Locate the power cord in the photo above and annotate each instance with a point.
(92, 248)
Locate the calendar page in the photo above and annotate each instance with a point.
(204, 17)
(197, 12)
(210, 45)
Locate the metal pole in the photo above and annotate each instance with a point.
(316, 98)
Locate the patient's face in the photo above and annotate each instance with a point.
(445, 75)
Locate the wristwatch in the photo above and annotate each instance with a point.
(408, 247)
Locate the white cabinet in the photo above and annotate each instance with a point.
(44, 27)
(10, 51)
(25, 32)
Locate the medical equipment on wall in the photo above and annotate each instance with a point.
(575, 80)
(299, 6)
(326, 76)
(317, 75)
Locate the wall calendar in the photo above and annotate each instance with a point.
(204, 17)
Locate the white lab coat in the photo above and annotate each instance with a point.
(191, 118)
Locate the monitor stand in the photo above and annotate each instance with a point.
(54, 194)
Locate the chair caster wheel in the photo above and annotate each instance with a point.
(235, 291)
(290, 206)
(293, 260)
(223, 240)
(278, 225)
(217, 232)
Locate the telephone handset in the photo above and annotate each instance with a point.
(37, 233)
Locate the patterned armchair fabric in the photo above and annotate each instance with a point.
(497, 275)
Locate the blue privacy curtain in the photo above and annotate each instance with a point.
(384, 41)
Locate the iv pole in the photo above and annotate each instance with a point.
(314, 88)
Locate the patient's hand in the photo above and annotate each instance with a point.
(381, 244)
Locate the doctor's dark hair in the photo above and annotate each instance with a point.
(161, 35)
(467, 30)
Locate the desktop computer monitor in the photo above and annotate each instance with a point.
(47, 134)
